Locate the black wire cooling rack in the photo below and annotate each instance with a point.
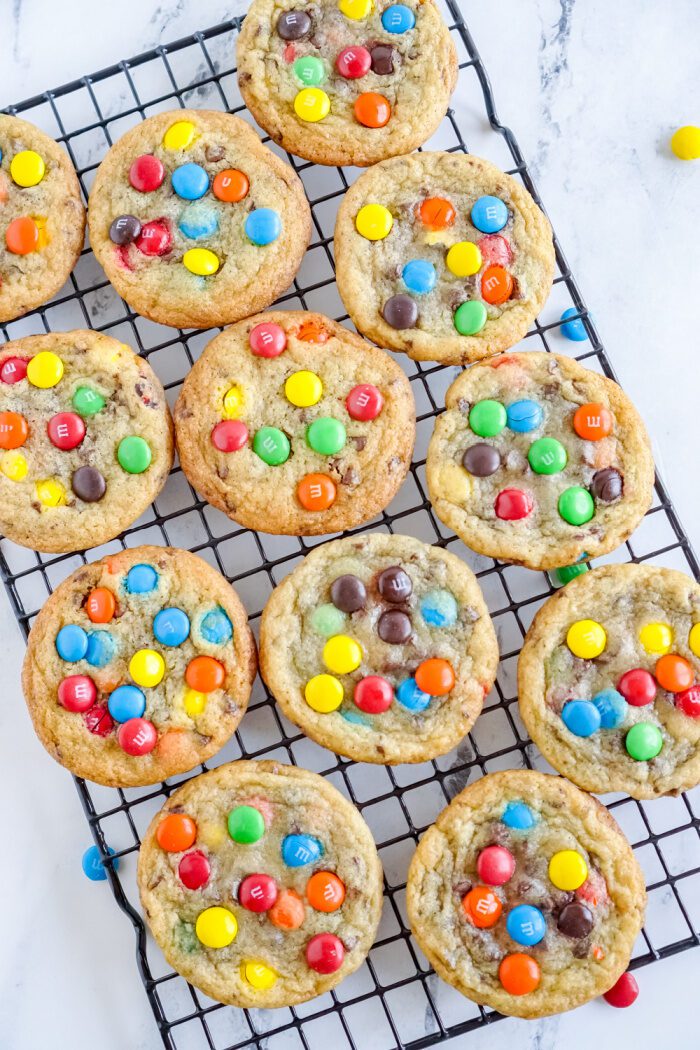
(394, 1000)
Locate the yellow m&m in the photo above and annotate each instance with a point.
(355, 9)
(180, 135)
(312, 105)
(303, 389)
(586, 639)
(686, 142)
(694, 639)
(147, 668)
(201, 262)
(45, 369)
(13, 465)
(259, 975)
(323, 693)
(342, 654)
(50, 493)
(233, 402)
(374, 222)
(194, 703)
(463, 259)
(27, 168)
(656, 638)
(568, 870)
(216, 927)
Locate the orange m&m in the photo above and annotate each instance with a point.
(205, 674)
(674, 673)
(100, 605)
(496, 285)
(435, 677)
(312, 332)
(14, 430)
(176, 832)
(592, 421)
(316, 492)
(288, 911)
(482, 907)
(436, 213)
(230, 185)
(372, 110)
(325, 891)
(519, 974)
(22, 236)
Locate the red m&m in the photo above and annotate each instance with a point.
(66, 430)
(638, 687)
(155, 238)
(353, 62)
(194, 870)
(495, 865)
(98, 720)
(146, 173)
(267, 340)
(258, 892)
(364, 402)
(230, 435)
(137, 737)
(513, 504)
(325, 953)
(689, 701)
(13, 370)
(495, 249)
(373, 694)
(77, 693)
(623, 993)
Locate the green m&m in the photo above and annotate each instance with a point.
(569, 572)
(87, 402)
(576, 505)
(327, 620)
(487, 418)
(547, 456)
(134, 454)
(272, 445)
(309, 71)
(326, 435)
(470, 318)
(644, 741)
(246, 824)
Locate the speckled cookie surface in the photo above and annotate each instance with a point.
(139, 666)
(537, 460)
(418, 269)
(567, 945)
(650, 621)
(197, 181)
(380, 647)
(346, 83)
(314, 439)
(291, 863)
(85, 439)
(43, 218)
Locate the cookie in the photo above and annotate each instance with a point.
(291, 424)
(442, 256)
(195, 222)
(261, 884)
(43, 218)
(380, 648)
(348, 82)
(85, 439)
(525, 895)
(139, 667)
(539, 461)
(609, 680)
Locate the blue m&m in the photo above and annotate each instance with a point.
(127, 701)
(612, 708)
(263, 226)
(216, 628)
(489, 214)
(519, 816)
(419, 276)
(300, 850)
(171, 626)
(71, 643)
(524, 416)
(398, 19)
(439, 608)
(190, 181)
(93, 865)
(100, 648)
(574, 329)
(355, 718)
(199, 220)
(581, 717)
(141, 579)
(526, 924)
(411, 697)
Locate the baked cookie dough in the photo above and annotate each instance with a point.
(195, 222)
(609, 680)
(442, 256)
(380, 648)
(139, 667)
(291, 424)
(539, 461)
(525, 895)
(85, 439)
(346, 81)
(261, 884)
(43, 218)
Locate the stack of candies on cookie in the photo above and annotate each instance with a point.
(143, 662)
(267, 885)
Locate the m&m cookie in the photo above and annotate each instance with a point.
(346, 81)
(525, 895)
(442, 256)
(139, 667)
(42, 218)
(380, 647)
(195, 222)
(539, 461)
(291, 424)
(261, 884)
(85, 439)
(609, 680)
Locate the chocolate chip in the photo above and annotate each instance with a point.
(607, 485)
(124, 229)
(481, 460)
(293, 25)
(575, 920)
(88, 484)
(394, 584)
(382, 56)
(394, 627)
(348, 593)
(400, 311)
(359, 443)
(214, 153)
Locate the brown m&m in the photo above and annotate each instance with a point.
(575, 920)
(394, 627)
(88, 484)
(400, 311)
(394, 584)
(293, 25)
(607, 485)
(348, 593)
(481, 460)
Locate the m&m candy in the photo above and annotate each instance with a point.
(22, 236)
(288, 911)
(66, 430)
(526, 924)
(146, 173)
(487, 418)
(316, 492)
(272, 446)
(586, 639)
(482, 907)
(576, 506)
(419, 276)
(233, 401)
(342, 654)
(216, 627)
(13, 465)
(364, 402)
(689, 701)
(194, 702)
(293, 25)
(326, 435)
(463, 259)
(547, 456)
(246, 825)
(495, 249)
(567, 573)
(489, 214)
(323, 693)
(348, 593)
(303, 389)
(93, 865)
(496, 285)
(134, 454)
(644, 741)
(141, 579)
(171, 626)
(519, 974)
(637, 687)
(147, 668)
(87, 402)
(372, 110)
(50, 493)
(98, 721)
(13, 370)
(612, 708)
(300, 850)
(205, 674)
(435, 677)
(124, 229)
(263, 226)
(309, 71)
(439, 608)
(312, 104)
(190, 181)
(581, 717)
(437, 213)
(325, 891)
(259, 976)
(656, 638)
(325, 952)
(180, 135)
(155, 238)
(216, 927)
(77, 692)
(201, 261)
(374, 222)
(470, 317)
(353, 62)
(14, 430)
(137, 737)
(568, 870)
(71, 643)
(519, 816)
(327, 620)
(411, 697)
(513, 504)
(100, 605)
(495, 865)
(45, 370)
(674, 673)
(685, 142)
(592, 421)
(400, 311)
(355, 9)
(524, 416)
(397, 18)
(230, 435)
(373, 694)
(194, 870)
(257, 892)
(230, 185)
(101, 648)
(126, 702)
(267, 340)
(572, 326)
(623, 993)
(27, 168)
(694, 639)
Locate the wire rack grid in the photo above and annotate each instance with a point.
(394, 1000)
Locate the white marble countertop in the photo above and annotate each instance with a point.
(593, 91)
